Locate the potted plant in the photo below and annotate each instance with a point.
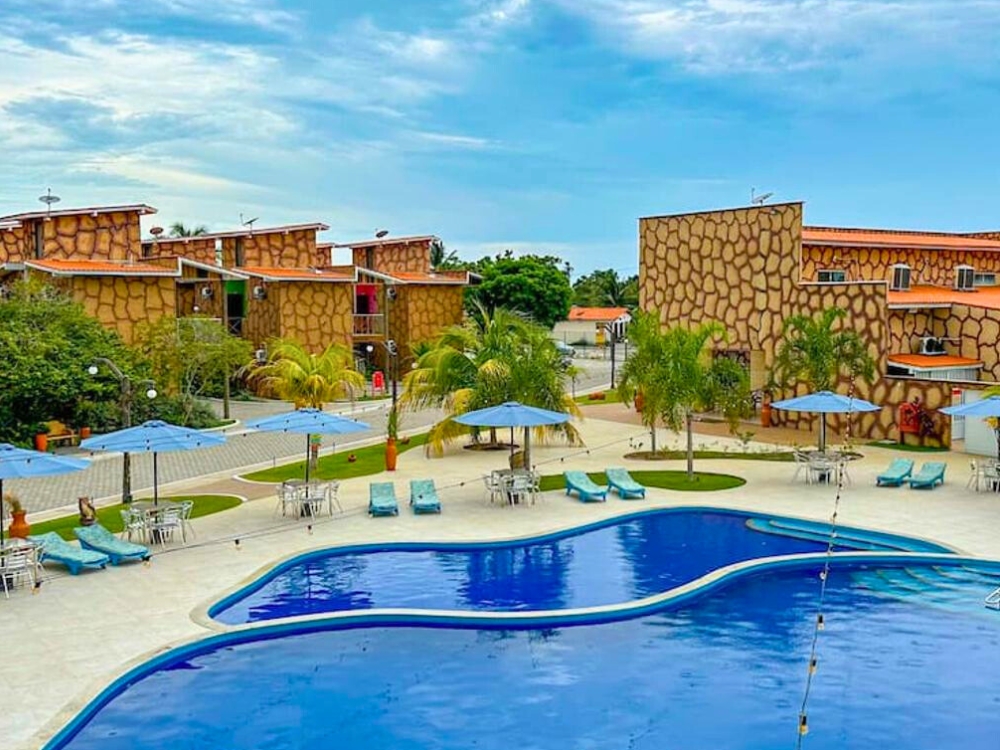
(42, 439)
(392, 432)
(18, 525)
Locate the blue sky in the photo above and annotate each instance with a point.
(539, 125)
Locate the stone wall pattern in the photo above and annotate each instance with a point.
(273, 249)
(122, 303)
(262, 321)
(106, 236)
(198, 249)
(14, 246)
(933, 267)
(408, 257)
(316, 314)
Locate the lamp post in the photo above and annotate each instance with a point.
(391, 364)
(612, 334)
(125, 383)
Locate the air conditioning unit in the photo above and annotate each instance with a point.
(259, 292)
(900, 278)
(260, 356)
(390, 292)
(965, 278)
(931, 345)
(207, 292)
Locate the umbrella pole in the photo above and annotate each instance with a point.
(822, 432)
(512, 445)
(527, 448)
(1, 514)
(307, 456)
(156, 491)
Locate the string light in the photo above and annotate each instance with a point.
(237, 543)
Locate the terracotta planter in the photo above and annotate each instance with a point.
(638, 402)
(19, 526)
(765, 414)
(390, 454)
(84, 433)
(41, 442)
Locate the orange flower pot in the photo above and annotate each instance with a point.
(390, 454)
(41, 442)
(19, 526)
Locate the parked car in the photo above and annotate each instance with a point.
(566, 352)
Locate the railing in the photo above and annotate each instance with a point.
(236, 326)
(993, 600)
(369, 325)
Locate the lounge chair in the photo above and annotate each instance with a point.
(581, 484)
(622, 482)
(382, 499)
(898, 472)
(930, 474)
(52, 547)
(99, 539)
(424, 497)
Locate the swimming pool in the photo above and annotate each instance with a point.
(909, 658)
(615, 561)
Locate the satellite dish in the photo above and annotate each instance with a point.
(48, 199)
(380, 233)
(156, 231)
(758, 199)
(248, 222)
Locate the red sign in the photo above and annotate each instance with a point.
(378, 381)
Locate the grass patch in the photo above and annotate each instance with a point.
(369, 460)
(610, 397)
(680, 455)
(892, 445)
(110, 517)
(666, 480)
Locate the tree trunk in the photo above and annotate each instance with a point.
(690, 449)
(652, 434)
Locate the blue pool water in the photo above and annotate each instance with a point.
(626, 560)
(909, 659)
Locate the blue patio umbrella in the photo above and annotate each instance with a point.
(308, 422)
(21, 463)
(987, 407)
(513, 414)
(825, 402)
(154, 436)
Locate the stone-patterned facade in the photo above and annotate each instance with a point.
(100, 235)
(123, 303)
(393, 256)
(316, 314)
(288, 249)
(748, 269)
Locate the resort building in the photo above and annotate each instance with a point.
(927, 303)
(261, 282)
(592, 326)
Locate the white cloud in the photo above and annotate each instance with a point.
(755, 36)
(159, 171)
(463, 142)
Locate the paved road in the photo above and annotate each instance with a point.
(242, 449)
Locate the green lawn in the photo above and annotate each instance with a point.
(369, 460)
(667, 480)
(893, 445)
(110, 516)
(680, 455)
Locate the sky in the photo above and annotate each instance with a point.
(544, 126)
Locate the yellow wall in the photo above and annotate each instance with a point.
(122, 303)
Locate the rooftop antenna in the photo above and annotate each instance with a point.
(380, 233)
(758, 200)
(248, 222)
(48, 199)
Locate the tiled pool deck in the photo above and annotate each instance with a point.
(63, 644)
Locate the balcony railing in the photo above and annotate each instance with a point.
(369, 325)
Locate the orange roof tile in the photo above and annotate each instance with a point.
(98, 268)
(438, 277)
(277, 273)
(596, 313)
(893, 238)
(928, 361)
(987, 297)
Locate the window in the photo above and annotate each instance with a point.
(964, 277)
(39, 240)
(984, 279)
(831, 276)
(900, 278)
(240, 255)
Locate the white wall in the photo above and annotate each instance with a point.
(572, 331)
(980, 438)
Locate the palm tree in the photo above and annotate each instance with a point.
(683, 379)
(293, 374)
(494, 357)
(179, 229)
(812, 352)
(441, 258)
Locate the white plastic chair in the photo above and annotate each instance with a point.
(133, 523)
(973, 483)
(17, 564)
(493, 486)
(187, 508)
(802, 462)
(520, 488)
(165, 523)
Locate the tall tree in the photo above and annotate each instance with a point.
(179, 229)
(495, 356)
(531, 284)
(443, 259)
(606, 289)
(684, 378)
(816, 351)
(294, 374)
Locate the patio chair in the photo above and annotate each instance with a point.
(802, 462)
(622, 482)
(382, 499)
(582, 485)
(164, 524)
(133, 522)
(99, 539)
(17, 564)
(898, 472)
(930, 475)
(493, 487)
(424, 497)
(52, 547)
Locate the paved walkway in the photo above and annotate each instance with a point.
(78, 633)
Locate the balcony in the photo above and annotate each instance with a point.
(369, 325)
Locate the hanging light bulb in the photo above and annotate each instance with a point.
(237, 543)
(820, 625)
(803, 725)
(813, 663)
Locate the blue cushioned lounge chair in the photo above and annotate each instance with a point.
(930, 474)
(382, 499)
(622, 482)
(424, 497)
(99, 539)
(54, 548)
(582, 485)
(898, 472)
